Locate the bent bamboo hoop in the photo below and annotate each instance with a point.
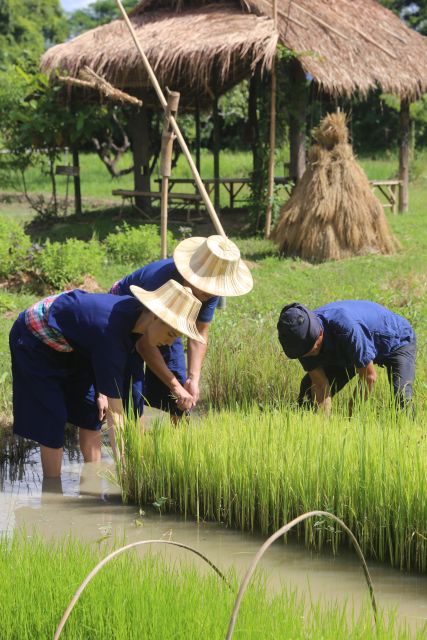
(280, 532)
(112, 555)
(173, 123)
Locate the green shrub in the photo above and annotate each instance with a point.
(14, 247)
(136, 246)
(62, 264)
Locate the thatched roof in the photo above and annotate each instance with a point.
(351, 46)
(347, 46)
(189, 51)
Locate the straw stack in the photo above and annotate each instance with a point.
(332, 212)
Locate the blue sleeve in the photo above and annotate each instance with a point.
(109, 366)
(207, 309)
(358, 346)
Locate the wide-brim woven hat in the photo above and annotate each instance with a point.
(213, 265)
(174, 304)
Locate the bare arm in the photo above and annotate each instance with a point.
(154, 359)
(196, 352)
(321, 390)
(114, 420)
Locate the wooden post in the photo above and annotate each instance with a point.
(197, 123)
(297, 119)
(139, 131)
(168, 137)
(216, 145)
(271, 157)
(77, 190)
(272, 154)
(405, 131)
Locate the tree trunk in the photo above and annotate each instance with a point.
(140, 135)
(298, 97)
(405, 134)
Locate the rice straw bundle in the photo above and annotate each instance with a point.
(332, 212)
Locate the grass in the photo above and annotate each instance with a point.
(257, 470)
(151, 599)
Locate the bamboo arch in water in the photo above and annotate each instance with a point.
(280, 532)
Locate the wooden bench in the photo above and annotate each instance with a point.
(390, 191)
(129, 194)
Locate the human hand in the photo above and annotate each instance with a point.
(192, 386)
(102, 404)
(183, 398)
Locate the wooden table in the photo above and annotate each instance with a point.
(233, 186)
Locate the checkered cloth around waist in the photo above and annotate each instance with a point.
(116, 289)
(36, 321)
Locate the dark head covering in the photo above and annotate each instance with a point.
(298, 329)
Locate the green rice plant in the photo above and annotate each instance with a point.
(148, 598)
(256, 470)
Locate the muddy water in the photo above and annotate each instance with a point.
(87, 505)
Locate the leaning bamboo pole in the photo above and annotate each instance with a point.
(173, 123)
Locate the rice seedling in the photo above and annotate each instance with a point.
(150, 598)
(257, 470)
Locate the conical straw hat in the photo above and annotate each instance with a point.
(213, 265)
(174, 304)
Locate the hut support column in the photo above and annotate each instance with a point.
(298, 96)
(404, 153)
(168, 137)
(139, 131)
(76, 178)
(272, 154)
(197, 124)
(216, 145)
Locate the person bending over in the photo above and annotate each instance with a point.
(341, 339)
(211, 267)
(70, 355)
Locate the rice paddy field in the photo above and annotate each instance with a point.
(248, 459)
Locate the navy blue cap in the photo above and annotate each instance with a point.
(298, 329)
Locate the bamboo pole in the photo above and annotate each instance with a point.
(271, 158)
(168, 137)
(215, 220)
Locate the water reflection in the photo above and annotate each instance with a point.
(87, 505)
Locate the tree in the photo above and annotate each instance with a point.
(413, 13)
(97, 13)
(27, 29)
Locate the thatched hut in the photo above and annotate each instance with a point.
(202, 48)
(332, 212)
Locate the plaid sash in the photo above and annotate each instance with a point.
(36, 321)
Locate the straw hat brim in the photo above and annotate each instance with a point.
(217, 285)
(151, 301)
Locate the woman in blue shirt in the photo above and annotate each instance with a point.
(70, 356)
(340, 339)
(211, 267)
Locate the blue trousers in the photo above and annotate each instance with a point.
(400, 365)
(147, 388)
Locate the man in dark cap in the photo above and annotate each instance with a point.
(340, 339)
